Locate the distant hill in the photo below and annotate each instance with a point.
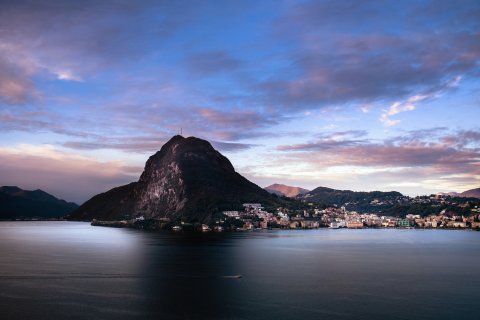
(451, 194)
(19, 203)
(373, 201)
(187, 179)
(284, 190)
(473, 193)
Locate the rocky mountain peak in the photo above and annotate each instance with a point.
(188, 153)
(186, 179)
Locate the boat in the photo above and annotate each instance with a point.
(177, 228)
(206, 228)
(237, 276)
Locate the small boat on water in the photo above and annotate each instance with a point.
(237, 276)
(177, 228)
(206, 228)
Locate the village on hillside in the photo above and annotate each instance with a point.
(254, 216)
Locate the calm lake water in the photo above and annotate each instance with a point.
(69, 270)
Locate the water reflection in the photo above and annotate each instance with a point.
(187, 272)
(66, 270)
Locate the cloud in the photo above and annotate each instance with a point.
(67, 75)
(37, 120)
(231, 146)
(147, 145)
(212, 62)
(71, 41)
(410, 103)
(334, 60)
(420, 161)
(335, 140)
(16, 85)
(436, 154)
(65, 175)
(235, 118)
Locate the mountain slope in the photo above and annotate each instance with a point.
(16, 203)
(373, 201)
(187, 179)
(284, 190)
(473, 193)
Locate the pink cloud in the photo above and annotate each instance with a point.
(65, 175)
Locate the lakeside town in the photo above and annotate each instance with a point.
(356, 211)
(434, 211)
(254, 216)
(457, 213)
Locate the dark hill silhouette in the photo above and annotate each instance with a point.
(19, 203)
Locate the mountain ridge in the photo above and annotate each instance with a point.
(472, 193)
(18, 203)
(353, 200)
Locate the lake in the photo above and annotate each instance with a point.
(71, 270)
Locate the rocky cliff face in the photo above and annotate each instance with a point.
(187, 179)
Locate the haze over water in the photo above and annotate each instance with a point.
(68, 270)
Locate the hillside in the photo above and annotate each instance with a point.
(473, 193)
(373, 201)
(18, 203)
(284, 190)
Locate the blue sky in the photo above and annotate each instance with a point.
(361, 95)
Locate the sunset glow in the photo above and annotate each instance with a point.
(293, 92)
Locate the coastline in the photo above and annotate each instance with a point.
(154, 225)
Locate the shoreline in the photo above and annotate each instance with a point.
(155, 226)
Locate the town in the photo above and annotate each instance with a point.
(254, 216)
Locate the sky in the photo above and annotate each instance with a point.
(358, 95)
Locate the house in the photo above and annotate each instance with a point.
(354, 224)
(456, 224)
(405, 223)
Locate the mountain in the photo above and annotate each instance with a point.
(451, 194)
(186, 180)
(473, 193)
(287, 191)
(18, 203)
(373, 201)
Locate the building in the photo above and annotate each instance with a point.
(405, 223)
(254, 206)
(354, 224)
(232, 214)
(309, 224)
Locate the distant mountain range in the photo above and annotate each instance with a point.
(186, 180)
(19, 203)
(473, 193)
(287, 191)
(189, 180)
